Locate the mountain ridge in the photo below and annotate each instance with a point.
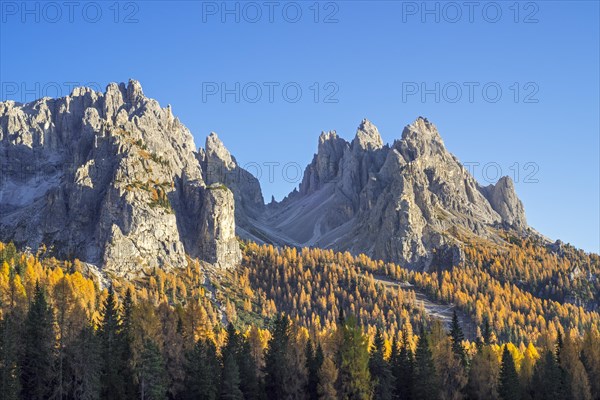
(126, 177)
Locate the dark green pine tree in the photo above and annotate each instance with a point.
(425, 381)
(112, 349)
(354, 376)
(9, 363)
(487, 332)
(508, 387)
(230, 379)
(127, 335)
(37, 358)
(547, 381)
(83, 363)
(458, 337)
(314, 360)
(202, 372)
(152, 373)
(249, 384)
(276, 371)
(405, 370)
(239, 349)
(381, 372)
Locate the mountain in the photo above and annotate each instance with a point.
(116, 181)
(407, 202)
(112, 179)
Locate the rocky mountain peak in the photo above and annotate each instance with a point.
(216, 151)
(134, 91)
(503, 199)
(367, 137)
(420, 139)
(115, 181)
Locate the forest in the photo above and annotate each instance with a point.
(300, 324)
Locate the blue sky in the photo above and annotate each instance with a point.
(388, 61)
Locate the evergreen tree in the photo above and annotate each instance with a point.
(487, 332)
(127, 335)
(112, 349)
(381, 373)
(248, 372)
(230, 379)
(314, 360)
(425, 378)
(276, 363)
(547, 381)
(405, 370)
(239, 349)
(202, 372)
(151, 373)
(37, 359)
(458, 337)
(9, 363)
(355, 379)
(83, 365)
(508, 387)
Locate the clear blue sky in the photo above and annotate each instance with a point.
(373, 57)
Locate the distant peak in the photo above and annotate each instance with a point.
(367, 136)
(134, 90)
(216, 149)
(327, 135)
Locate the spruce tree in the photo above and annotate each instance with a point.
(112, 349)
(457, 335)
(9, 363)
(83, 365)
(425, 378)
(313, 363)
(406, 370)
(230, 379)
(381, 373)
(202, 372)
(126, 335)
(508, 387)
(547, 381)
(152, 373)
(276, 362)
(37, 359)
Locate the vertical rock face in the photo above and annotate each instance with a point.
(505, 202)
(217, 241)
(403, 203)
(219, 166)
(110, 178)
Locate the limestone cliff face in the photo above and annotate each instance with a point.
(110, 178)
(405, 202)
(115, 180)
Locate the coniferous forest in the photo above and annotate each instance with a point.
(300, 324)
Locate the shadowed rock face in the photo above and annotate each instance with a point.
(403, 202)
(112, 179)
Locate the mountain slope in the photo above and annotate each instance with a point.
(112, 179)
(398, 203)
